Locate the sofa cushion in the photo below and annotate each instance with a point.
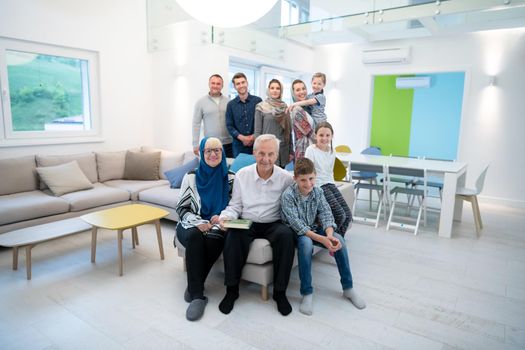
(188, 156)
(142, 166)
(29, 205)
(162, 195)
(110, 165)
(86, 161)
(241, 161)
(64, 178)
(18, 175)
(168, 159)
(134, 187)
(98, 196)
(260, 252)
(176, 174)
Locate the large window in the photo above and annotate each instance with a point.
(259, 76)
(294, 12)
(252, 75)
(49, 94)
(285, 77)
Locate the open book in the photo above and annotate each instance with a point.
(238, 223)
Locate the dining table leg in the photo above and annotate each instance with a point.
(450, 207)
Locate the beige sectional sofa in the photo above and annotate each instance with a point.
(26, 201)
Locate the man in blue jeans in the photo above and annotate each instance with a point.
(303, 207)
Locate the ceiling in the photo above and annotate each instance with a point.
(336, 21)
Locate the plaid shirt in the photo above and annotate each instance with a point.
(306, 213)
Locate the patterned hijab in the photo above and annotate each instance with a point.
(277, 108)
(212, 185)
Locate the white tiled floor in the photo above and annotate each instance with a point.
(423, 292)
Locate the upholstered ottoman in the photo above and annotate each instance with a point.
(258, 268)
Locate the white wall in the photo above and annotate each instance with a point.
(148, 98)
(180, 76)
(116, 29)
(493, 121)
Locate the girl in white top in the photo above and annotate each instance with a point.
(323, 156)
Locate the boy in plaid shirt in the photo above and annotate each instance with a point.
(305, 210)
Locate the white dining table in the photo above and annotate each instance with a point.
(453, 173)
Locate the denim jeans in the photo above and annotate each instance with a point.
(305, 247)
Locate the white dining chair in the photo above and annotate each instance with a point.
(406, 180)
(433, 181)
(380, 188)
(362, 176)
(419, 193)
(471, 195)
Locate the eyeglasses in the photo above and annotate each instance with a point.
(208, 151)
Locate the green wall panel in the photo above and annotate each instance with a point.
(391, 116)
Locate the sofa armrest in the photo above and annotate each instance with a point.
(347, 190)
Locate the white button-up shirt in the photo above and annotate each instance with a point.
(257, 199)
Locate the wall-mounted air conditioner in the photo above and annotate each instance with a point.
(390, 55)
(412, 82)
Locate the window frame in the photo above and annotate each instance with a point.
(236, 66)
(90, 97)
(296, 13)
(267, 73)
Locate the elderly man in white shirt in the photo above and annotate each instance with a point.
(256, 196)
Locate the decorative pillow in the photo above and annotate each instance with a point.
(110, 165)
(168, 159)
(142, 166)
(86, 161)
(64, 178)
(241, 161)
(176, 175)
(187, 156)
(18, 175)
(289, 166)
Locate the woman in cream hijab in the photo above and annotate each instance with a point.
(271, 118)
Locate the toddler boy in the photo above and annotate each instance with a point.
(316, 101)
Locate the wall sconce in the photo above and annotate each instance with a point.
(492, 80)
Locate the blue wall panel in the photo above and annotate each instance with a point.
(435, 121)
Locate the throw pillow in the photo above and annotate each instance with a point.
(176, 175)
(18, 175)
(110, 165)
(241, 161)
(86, 161)
(142, 166)
(168, 159)
(64, 178)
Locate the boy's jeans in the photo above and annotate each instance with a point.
(304, 255)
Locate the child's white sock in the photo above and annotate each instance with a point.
(307, 304)
(354, 298)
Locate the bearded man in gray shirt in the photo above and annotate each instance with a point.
(210, 110)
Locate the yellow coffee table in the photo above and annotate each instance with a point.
(122, 218)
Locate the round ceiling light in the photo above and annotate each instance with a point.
(227, 13)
